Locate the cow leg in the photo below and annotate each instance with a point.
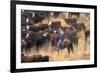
(37, 45)
(68, 50)
(71, 47)
(22, 48)
(37, 48)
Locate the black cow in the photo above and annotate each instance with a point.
(35, 39)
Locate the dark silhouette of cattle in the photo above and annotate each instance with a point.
(54, 14)
(87, 34)
(56, 25)
(24, 16)
(32, 16)
(74, 13)
(35, 39)
(40, 15)
(74, 25)
(35, 58)
(24, 34)
(70, 20)
(79, 26)
(41, 59)
(38, 27)
(34, 27)
(25, 41)
(39, 41)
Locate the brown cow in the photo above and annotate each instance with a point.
(71, 20)
(56, 25)
(38, 27)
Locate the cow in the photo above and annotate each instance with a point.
(56, 25)
(79, 26)
(70, 20)
(35, 58)
(38, 27)
(26, 18)
(36, 39)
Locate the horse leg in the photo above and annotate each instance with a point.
(59, 46)
(37, 48)
(59, 43)
(70, 48)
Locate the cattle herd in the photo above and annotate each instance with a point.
(38, 36)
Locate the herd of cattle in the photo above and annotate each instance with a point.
(38, 34)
